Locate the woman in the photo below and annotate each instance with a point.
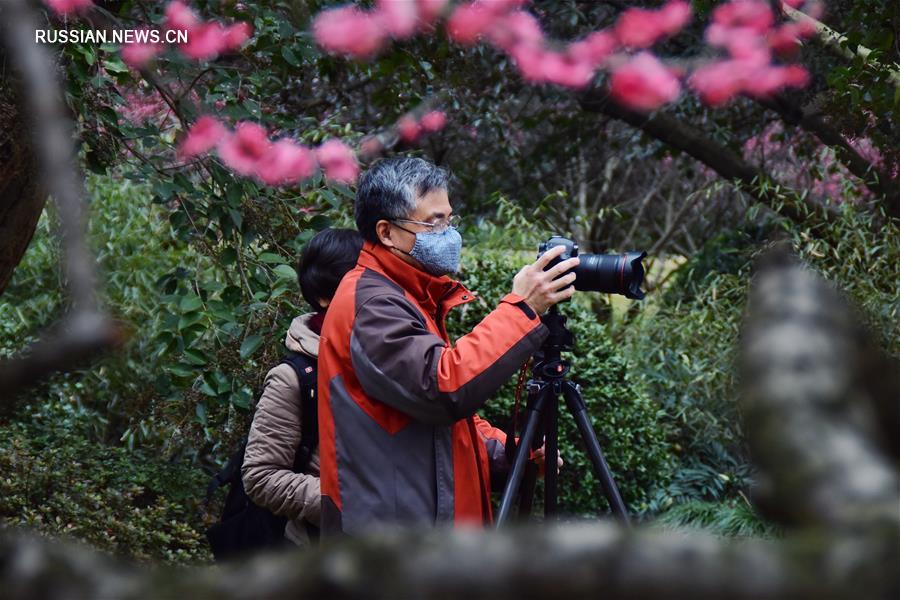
(268, 471)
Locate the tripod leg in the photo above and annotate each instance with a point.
(533, 417)
(579, 411)
(526, 491)
(551, 445)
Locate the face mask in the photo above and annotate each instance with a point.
(438, 252)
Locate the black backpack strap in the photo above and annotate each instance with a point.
(306, 370)
(228, 474)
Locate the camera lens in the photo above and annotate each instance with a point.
(611, 274)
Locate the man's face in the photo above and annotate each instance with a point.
(431, 207)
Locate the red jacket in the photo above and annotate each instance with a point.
(399, 438)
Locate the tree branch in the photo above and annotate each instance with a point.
(805, 371)
(875, 179)
(723, 161)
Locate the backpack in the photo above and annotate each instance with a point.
(245, 526)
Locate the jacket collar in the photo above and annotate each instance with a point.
(429, 291)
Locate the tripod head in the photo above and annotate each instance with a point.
(548, 364)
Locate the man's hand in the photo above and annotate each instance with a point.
(540, 458)
(538, 287)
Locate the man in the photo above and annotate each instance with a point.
(399, 439)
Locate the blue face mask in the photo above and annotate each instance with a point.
(438, 252)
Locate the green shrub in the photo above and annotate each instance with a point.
(732, 518)
(626, 420)
(56, 480)
(684, 345)
(134, 247)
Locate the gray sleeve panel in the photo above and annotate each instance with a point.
(499, 466)
(396, 358)
(495, 450)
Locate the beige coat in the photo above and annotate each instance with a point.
(274, 437)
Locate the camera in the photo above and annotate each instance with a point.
(607, 273)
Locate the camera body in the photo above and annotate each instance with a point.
(607, 273)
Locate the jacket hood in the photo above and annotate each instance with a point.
(301, 338)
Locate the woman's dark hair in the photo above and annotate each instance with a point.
(325, 260)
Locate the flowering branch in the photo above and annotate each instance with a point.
(744, 29)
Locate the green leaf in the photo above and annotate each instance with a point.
(181, 370)
(228, 256)
(190, 303)
(285, 272)
(236, 218)
(241, 399)
(272, 258)
(201, 413)
(194, 357)
(290, 57)
(114, 65)
(251, 345)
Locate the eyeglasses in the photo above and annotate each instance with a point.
(440, 226)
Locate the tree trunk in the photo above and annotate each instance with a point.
(21, 195)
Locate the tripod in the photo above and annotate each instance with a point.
(542, 413)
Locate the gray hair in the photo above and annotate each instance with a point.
(390, 189)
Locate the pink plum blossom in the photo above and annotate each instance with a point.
(754, 14)
(529, 60)
(641, 28)
(337, 161)
(516, 27)
(564, 70)
(202, 137)
(745, 44)
(205, 41)
(137, 54)
(65, 7)
(644, 83)
(674, 16)
(180, 17)
(719, 82)
(785, 40)
(594, 49)
(771, 79)
(242, 150)
(433, 120)
(237, 34)
(407, 128)
(637, 28)
(349, 31)
(469, 22)
(399, 17)
(285, 162)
